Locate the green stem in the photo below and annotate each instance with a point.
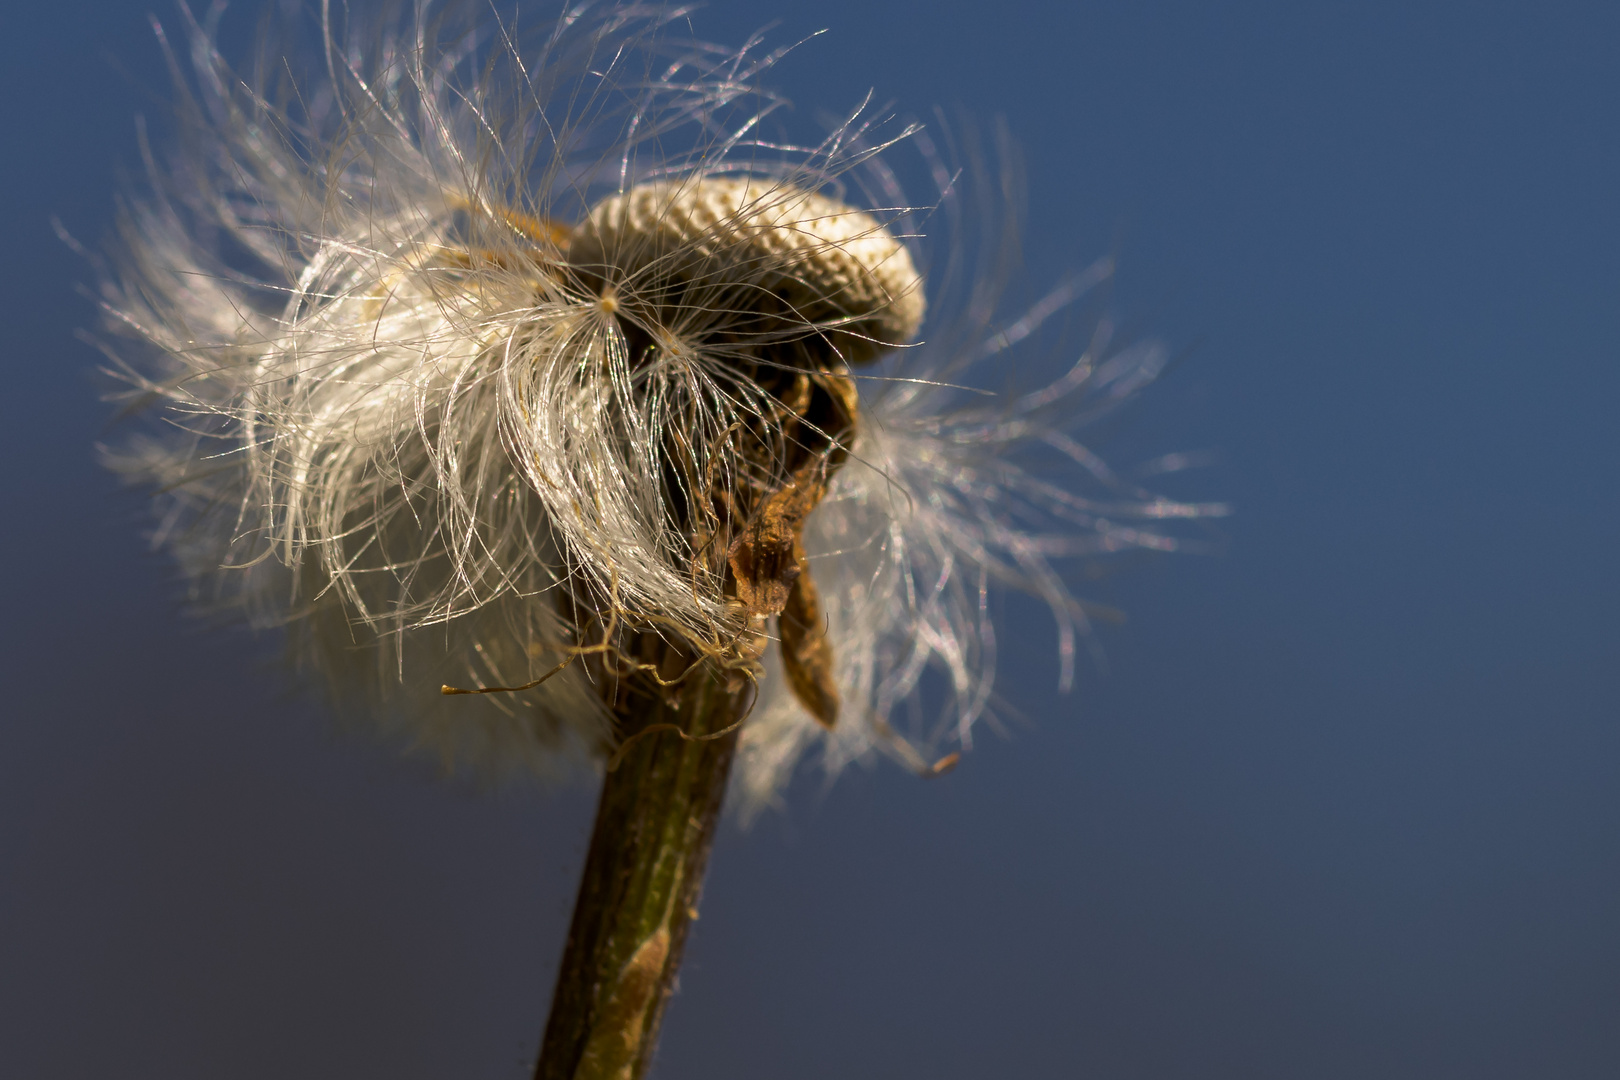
(654, 826)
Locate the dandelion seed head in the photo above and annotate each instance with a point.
(464, 347)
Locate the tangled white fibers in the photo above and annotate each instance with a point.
(465, 342)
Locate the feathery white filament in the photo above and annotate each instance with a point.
(421, 345)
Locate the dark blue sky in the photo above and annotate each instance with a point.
(1343, 804)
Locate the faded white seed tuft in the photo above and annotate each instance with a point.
(405, 395)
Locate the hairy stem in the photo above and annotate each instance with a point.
(654, 826)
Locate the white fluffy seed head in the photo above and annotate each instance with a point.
(455, 324)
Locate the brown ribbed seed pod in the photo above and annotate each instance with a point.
(812, 266)
(791, 288)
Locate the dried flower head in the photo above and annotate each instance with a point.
(477, 354)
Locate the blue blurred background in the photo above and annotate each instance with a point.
(1344, 802)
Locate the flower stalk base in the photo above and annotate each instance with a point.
(655, 823)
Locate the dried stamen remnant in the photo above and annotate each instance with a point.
(790, 287)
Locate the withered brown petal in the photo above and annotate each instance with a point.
(807, 656)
